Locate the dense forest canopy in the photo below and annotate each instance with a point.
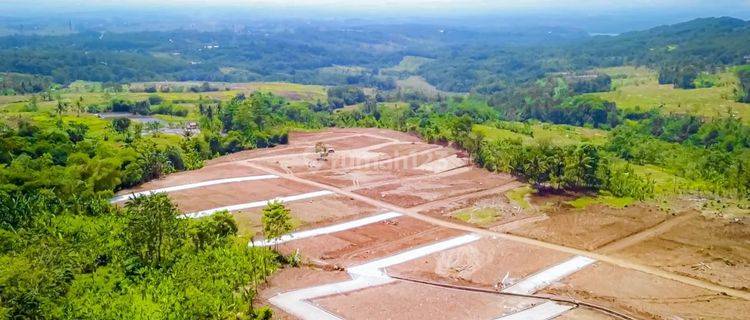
(305, 55)
(461, 60)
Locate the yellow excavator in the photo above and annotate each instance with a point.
(323, 151)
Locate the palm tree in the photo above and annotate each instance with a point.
(153, 127)
(79, 106)
(61, 108)
(472, 142)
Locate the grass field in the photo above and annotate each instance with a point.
(638, 88)
(291, 91)
(409, 64)
(419, 84)
(98, 128)
(610, 201)
(556, 134)
(188, 100)
(481, 217)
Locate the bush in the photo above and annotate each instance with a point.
(623, 181)
(743, 87)
(344, 96)
(155, 99)
(121, 105)
(120, 125)
(169, 109)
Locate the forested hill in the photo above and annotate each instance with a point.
(452, 59)
(680, 52)
(704, 42)
(319, 53)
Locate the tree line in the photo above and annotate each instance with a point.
(66, 252)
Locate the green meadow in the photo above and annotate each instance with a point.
(638, 89)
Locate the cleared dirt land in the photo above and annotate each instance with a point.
(310, 213)
(403, 300)
(377, 240)
(714, 249)
(390, 227)
(207, 173)
(433, 188)
(591, 228)
(647, 296)
(236, 193)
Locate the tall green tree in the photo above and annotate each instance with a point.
(153, 230)
(277, 220)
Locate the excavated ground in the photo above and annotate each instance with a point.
(386, 169)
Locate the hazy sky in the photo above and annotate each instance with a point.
(393, 5)
(612, 16)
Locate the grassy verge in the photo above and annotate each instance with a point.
(518, 196)
(607, 200)
(480, 217)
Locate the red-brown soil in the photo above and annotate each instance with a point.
(261, 153)
(204, 174)
(356, 158)
(310, 162)
(370, 242)
(306, 146)
(376, 172)
(405, 149)
(309, 213)
(289, 279)
(354, 178)
(429, 189)
(593, 227)
(716, 250)
(221, 195)
(354, 143)
(646, 296)
(306, 137)
(713, 249)
(484, 263)
(405, 300)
